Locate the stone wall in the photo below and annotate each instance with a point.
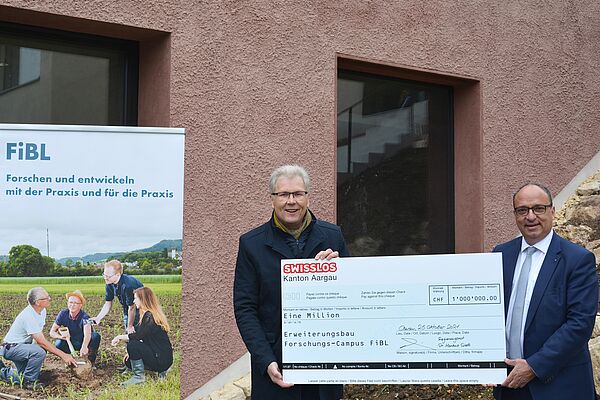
(579, 221)
(237, 390)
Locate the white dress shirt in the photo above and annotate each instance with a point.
(537, 259)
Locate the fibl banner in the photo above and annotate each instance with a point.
(72, 191)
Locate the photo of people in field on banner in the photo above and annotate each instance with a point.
(90, 261)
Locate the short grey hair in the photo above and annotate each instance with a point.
(35, 294)
(289, 171)
(544, 188)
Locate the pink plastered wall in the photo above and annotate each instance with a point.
(254, 85)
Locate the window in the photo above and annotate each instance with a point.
(394, 165)
(20, 65)
(54, 77)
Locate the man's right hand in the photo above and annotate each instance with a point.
(69, 359)
(275, 375)
(327, 255)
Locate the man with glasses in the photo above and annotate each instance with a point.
(292, 232)
(119, 285)
(79, 329)
(18, 345)
(551, 299)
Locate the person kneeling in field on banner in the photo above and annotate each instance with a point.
(18, 345)
(149, 346)
(79, 324)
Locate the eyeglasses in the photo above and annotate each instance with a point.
(286, 195)
(73, 302)
(108, 276)
(538, 209)
(46, 298)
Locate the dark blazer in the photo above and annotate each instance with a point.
(257, 299)
(559, 321)
(157, 340)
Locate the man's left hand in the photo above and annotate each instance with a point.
(521, 374)
(84, 351)
(327, 255)
(130, 329)
(275, 374)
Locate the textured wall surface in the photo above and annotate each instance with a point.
(253, 83)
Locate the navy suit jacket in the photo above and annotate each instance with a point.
(257, 299)
(560, 319)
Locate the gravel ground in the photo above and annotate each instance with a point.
(430, 392)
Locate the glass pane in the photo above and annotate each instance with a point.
(394, 165)
(58, 81)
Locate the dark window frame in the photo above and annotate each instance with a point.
(56, 40)
(419, 79)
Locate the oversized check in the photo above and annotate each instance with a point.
(405, 319)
